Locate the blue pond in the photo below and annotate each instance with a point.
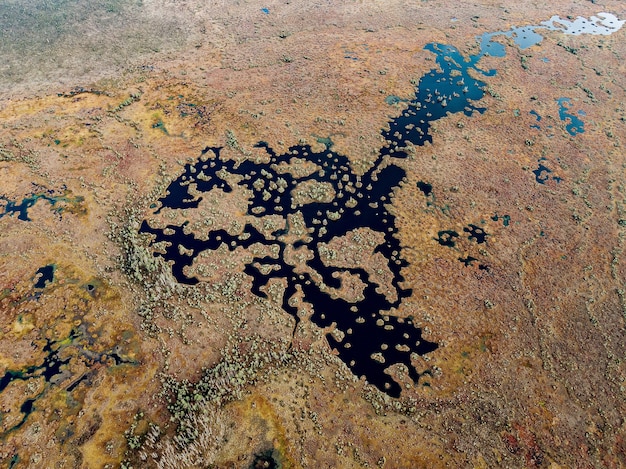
(574, 125)
(448, 89)
(10, 207)
(368, 328)
(44, 275)
(372, 339)
(54, 370)
(51, 367)
(544, 174)
(364, 323)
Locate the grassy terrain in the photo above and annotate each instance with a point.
(70, 41)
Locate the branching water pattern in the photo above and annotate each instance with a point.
(370, 339)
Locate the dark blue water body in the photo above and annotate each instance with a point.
(447, 238)
(470, 260)
(44, 275)
(370, 339)
(448, 89)
(14, 460)
(524, 37)
(544, 174)
(538, 117)
(506, 219)
(574, 125)
(21, 208)
(54, 371)
(50, 367)
(425, 187)
(476, 233)
(359, 202)
(27, 407)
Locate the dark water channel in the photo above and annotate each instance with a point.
(359, 202)
(44, 275)
(58, 203)
(369, 339)
(51, 367)
(54, 369)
